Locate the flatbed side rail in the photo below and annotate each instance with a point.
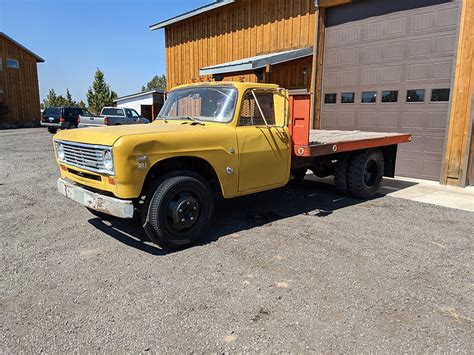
(315, 150)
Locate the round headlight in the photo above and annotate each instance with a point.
(60, 152)
(108, 161)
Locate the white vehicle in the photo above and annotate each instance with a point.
(112, 116)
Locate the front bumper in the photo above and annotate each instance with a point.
(106, 204)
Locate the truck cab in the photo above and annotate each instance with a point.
(218, 139)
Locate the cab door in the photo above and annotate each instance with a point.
(263, 141)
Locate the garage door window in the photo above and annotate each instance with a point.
(390, 96)
(415, 95)
(330, 98)
(347, 98)
(439, 95)
(369, 97)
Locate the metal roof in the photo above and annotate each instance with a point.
(38, 58)
(186, 15)
(139, 94)
(257, 62)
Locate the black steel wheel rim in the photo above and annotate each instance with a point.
(182, 212)
(370, 173)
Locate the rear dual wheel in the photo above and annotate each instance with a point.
(361, 175)
(178, 210)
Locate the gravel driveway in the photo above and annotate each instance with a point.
(298, 269)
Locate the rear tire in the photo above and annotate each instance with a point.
(179, 211)
(340, 175)
(365, 174)
(52, 130)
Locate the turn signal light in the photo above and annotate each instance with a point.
(111, 180)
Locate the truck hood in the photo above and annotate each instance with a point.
(110, 134)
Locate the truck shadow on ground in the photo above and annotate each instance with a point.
(311, 198)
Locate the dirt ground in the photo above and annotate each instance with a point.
(299, 269)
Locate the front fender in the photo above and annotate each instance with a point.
(134, 156)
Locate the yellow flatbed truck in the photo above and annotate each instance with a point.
(219, 139)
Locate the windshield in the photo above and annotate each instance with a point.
(112, 112)
(215, 104)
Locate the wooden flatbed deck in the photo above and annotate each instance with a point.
(325, 142)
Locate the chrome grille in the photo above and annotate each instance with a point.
(85, 156)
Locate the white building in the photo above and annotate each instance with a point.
(148, 103)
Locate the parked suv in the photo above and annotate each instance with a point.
(61, 117)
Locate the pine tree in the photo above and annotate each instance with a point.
(99, 94)
(69, 100)
(157, 82)
(50, 99)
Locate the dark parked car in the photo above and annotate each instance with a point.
(62, 117)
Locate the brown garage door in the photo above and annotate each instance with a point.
(392, 72)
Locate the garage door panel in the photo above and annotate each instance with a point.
(344, 36)
(347, 77)
(344, 56)
(400, 51)
(446, 18)
(414, 121)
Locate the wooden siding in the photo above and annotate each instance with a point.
(459, 131)
(20, 86)
(240, 30)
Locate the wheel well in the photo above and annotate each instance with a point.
(389, 156)
(193, 164)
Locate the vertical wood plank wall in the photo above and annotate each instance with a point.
(20, 86)
(459, 139)
(243, 29)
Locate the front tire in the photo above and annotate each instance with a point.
(179, 211)
(52, 130)
(365, 174)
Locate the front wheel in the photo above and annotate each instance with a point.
(52, 130)
(179, 211)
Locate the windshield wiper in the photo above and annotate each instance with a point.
(162, 118)
(195, 119)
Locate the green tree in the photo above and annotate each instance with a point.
(54, 100)
(81, 104)
(69, 100)
(157, 82)
(99, 94)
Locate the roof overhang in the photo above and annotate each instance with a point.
(257, 62)
(189, 14)
(139, 94)
(38, 58)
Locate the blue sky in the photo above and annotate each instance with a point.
(77, 36)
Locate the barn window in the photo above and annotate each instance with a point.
(390, 96)
(347, 98)
(13, 63)
(438, 95)
(416, 95)
(330, 98)
(369, 97)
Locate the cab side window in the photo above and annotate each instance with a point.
(250, 114)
